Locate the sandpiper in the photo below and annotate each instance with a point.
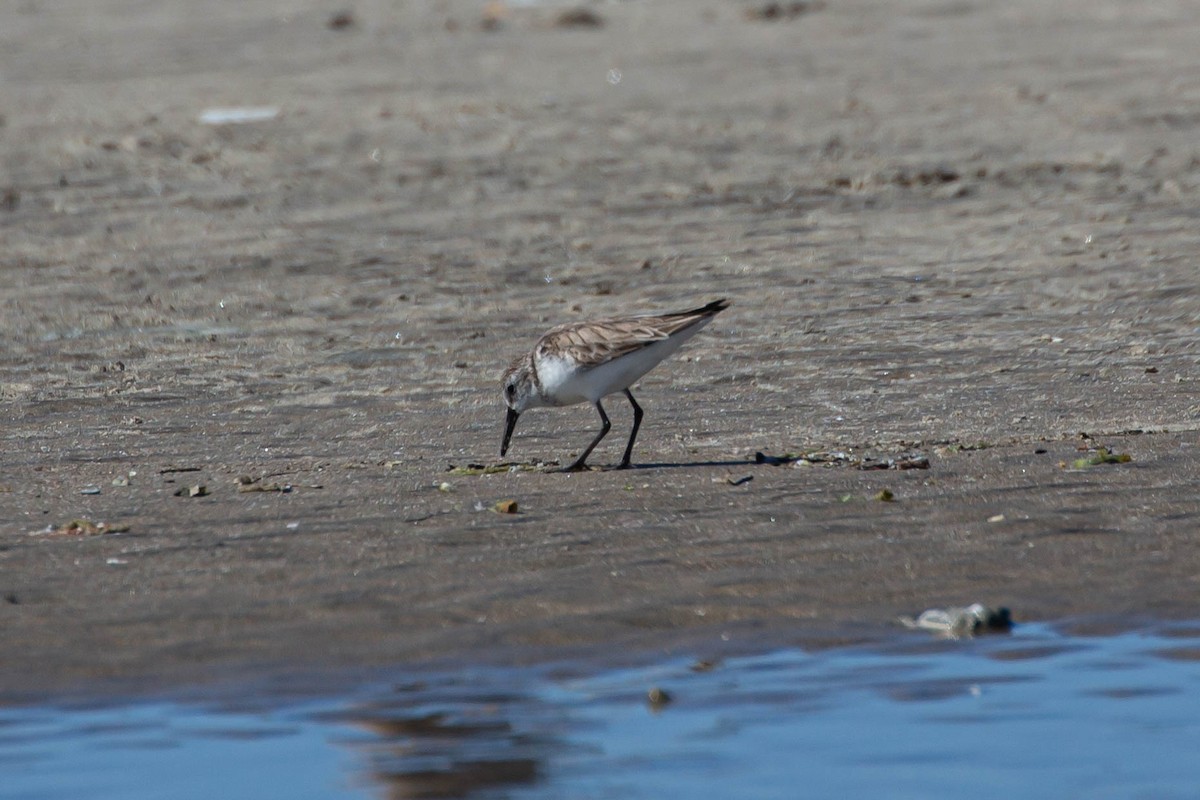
(587, 361)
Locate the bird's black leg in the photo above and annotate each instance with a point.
(605, 425)
(637, 421)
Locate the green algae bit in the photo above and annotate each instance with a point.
(492, 469)
(1102, 456)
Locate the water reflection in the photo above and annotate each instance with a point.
(448, 739)
(1044, 712)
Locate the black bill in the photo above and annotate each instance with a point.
(509, 424)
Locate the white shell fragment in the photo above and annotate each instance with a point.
(955, 622)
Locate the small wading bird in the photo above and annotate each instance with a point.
(587, 361)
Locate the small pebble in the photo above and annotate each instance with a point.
(658, 697)
(340, 20)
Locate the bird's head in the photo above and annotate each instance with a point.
(520, 393)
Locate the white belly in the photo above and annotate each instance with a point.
(565, 383)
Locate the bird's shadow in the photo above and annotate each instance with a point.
(744, 462)
(551, 468)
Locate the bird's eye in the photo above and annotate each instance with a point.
(509, 391)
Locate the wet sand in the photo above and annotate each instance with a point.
(962, 230)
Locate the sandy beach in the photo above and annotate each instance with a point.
(959, 232)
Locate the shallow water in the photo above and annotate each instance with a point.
(1041, 712)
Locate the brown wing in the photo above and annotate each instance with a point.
(600, 341)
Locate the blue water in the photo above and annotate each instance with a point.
(1038, 713)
